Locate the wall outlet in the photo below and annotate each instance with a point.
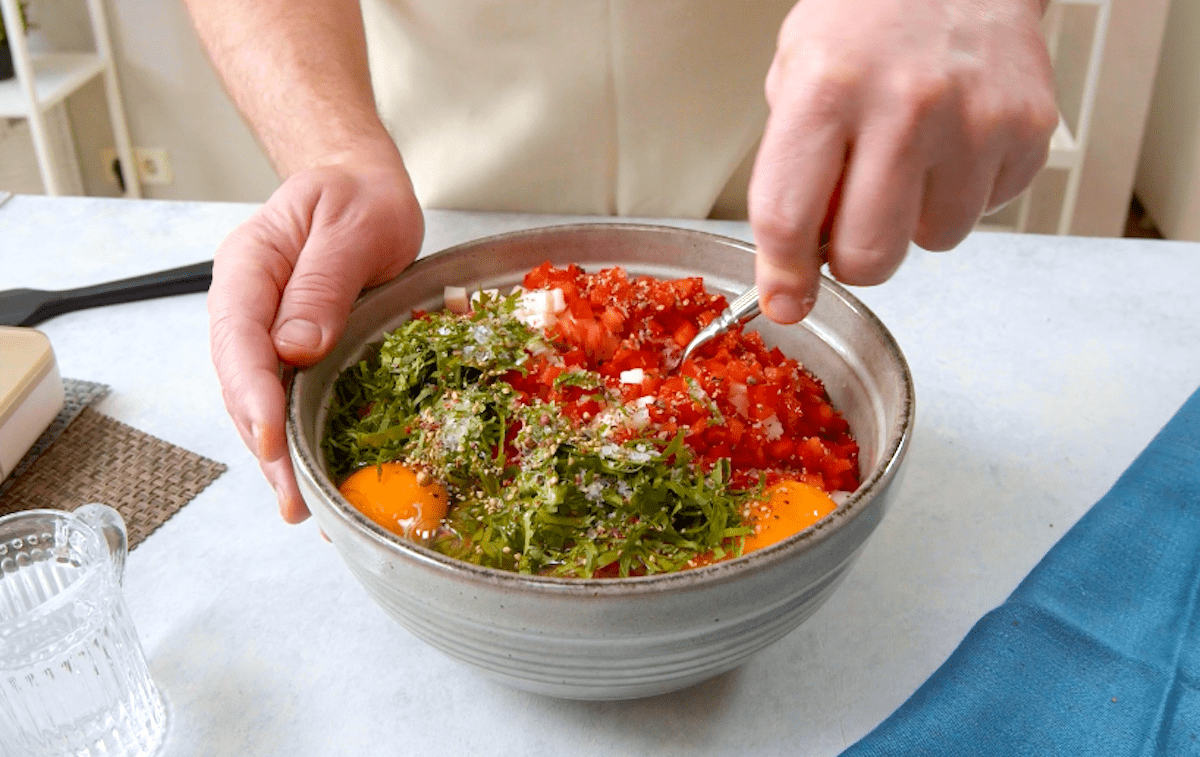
(153, 165)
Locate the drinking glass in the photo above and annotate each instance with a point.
(73, 678)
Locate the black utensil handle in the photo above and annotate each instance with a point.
(185, 280)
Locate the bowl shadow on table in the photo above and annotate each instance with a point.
(231, 702)
(963, 532)
(692, 716)
(896, 618)
(898, 615)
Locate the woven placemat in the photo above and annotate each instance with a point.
(76, 396)
(94, 458)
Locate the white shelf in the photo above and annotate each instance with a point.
(45, 79)
(1068, 146)
(1064, 149)
(56, 75)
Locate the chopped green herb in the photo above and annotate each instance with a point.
(529, 491)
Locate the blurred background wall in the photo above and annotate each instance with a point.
(1168, 176)
(174, 102)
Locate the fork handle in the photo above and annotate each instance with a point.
(742, 309)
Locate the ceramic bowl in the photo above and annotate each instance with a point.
(630, 637)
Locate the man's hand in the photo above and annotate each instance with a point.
(892, 121)
(283, 284)
(344, 218)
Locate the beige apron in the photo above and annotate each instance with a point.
(627, 107)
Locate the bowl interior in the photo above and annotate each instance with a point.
(841, 341)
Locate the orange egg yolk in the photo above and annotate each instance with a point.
(398, 499)
(789, 508)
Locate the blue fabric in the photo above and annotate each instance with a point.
(1097, 652)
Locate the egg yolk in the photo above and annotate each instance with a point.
(399, 499)
(789, 508)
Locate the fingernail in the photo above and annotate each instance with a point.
(784, 308)
(300, 333)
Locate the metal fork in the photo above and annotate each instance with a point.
(743, 308)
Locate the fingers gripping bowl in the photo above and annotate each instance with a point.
(614, 638)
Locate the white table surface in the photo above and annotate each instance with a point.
(1042, 365)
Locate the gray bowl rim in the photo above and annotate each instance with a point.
(709, 575)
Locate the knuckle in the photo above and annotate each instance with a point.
(824, 80)
(776, 225)
(866, 265)
(917, 94)
(232, 397)
(1033, 161)
(829, 84)
(350, 211)
(251, 289)
(1042, 117)
(234, 391)
(988, 111)
(258, 252)
(837, 80)
(1031, 119)
(316, 293)
(1032, 109)
(220, 335)
(1023, 131)
(223, 350)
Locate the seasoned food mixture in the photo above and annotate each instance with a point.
(543, 431)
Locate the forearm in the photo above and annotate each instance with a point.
(297, 71)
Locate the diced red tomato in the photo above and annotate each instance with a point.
(781, 449)
(740, 371)
(736, 429)
(580, 309)
(612, 319)
(764, 412)
(684, 333)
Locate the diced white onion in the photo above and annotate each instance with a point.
(772, 427)
(536, 320)
(739, 397)
(633, 376)
(537, 301)
(639, 418)
(456, 300)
